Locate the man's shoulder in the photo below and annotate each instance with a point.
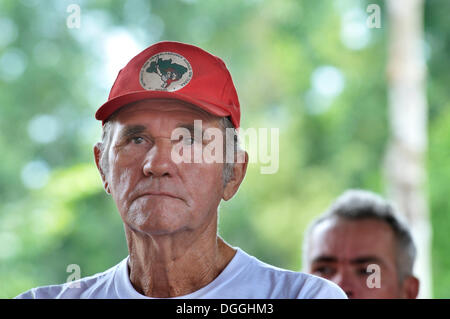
(86, 287)
(286, 283)
(320, 288)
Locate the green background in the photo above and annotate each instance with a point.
(53, 210)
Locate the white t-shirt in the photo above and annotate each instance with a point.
(245, 277)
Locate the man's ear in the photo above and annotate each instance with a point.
(411, 287)
(98, 155)
(239, 170)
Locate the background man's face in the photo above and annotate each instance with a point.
(154, 195)
(340, 251)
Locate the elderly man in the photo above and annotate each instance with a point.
(167, 196)
(363, 247)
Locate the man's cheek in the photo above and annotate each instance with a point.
(120, 186)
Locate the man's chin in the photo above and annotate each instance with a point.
(153, 227)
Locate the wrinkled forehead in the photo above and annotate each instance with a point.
(164, 108)
(347, 239)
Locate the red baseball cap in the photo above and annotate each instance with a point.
(175, 70)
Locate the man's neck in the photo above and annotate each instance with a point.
(175, 265)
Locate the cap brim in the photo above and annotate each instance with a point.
(105, 111)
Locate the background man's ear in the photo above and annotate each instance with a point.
(411, 287)
(97, 156)
(239, 171)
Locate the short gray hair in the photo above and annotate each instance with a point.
(224, 122)
(359, 205)
(228, 167)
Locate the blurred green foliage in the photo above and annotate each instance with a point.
(54, 212)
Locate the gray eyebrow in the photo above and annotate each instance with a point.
(366, 259)
(191, 128)
(188, 126)
(326, 259)
(357, 261)
(131, 130)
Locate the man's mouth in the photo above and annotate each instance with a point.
(161, 194)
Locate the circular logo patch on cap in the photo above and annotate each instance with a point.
(165, 71)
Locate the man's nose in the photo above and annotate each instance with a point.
(158, 161)
(344, 280)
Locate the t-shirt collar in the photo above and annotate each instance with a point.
(125, 290)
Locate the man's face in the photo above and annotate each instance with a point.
(154, 195)
(341, 250)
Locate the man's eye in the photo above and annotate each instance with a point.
(362, 271)
(324, 271)
(188, 140)
(137, 140)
